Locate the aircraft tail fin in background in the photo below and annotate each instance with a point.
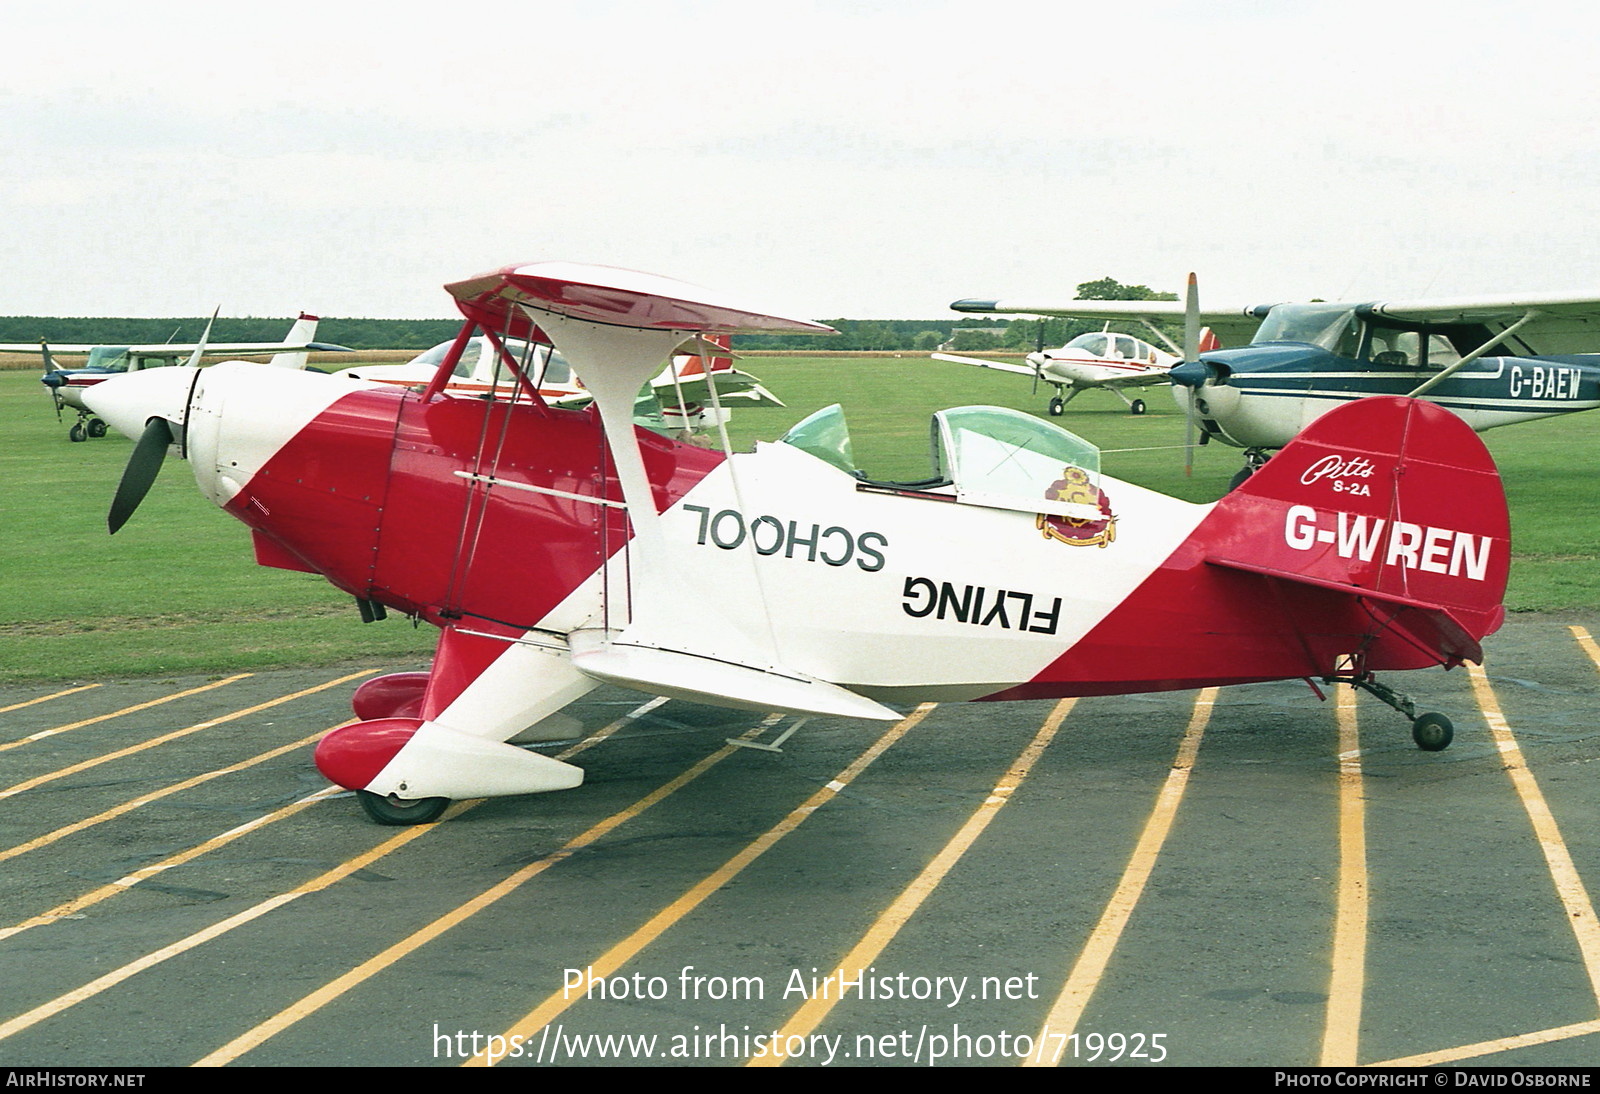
(303, 331)
(1393, 501)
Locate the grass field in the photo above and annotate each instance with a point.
(177, 590)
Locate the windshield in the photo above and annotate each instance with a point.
(1010, 460)
(110, 358)
(1331, 326)
(826, 436)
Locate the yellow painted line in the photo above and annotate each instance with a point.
(129, 806)
(43, 733)
(1502, 1044)
(883, 930)
(51, 776)
(1091, 965)
(123, 884)
(326, 994)
(47, 698)
(1580, 912)
(630, 947)
(1569, 886)
(1341, 1029)
(256, 911)
(217, 930)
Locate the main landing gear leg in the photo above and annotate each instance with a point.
(1432, 731)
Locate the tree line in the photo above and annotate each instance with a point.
(962, 333)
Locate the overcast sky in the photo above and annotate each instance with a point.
(836, 159)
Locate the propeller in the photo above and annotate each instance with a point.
(140, 473)
(1191, 354)
(1038, 357)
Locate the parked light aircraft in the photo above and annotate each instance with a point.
(678, 399)
(553, 547)
(1102, 359)
(1492, 360)
(67, 385)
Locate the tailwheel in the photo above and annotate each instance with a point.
(390, 810)
(1433, 732)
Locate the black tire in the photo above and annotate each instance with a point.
(77, 433)
(1433, 732)
(97, 428)
(1137, 407)
(1239, 478)
(1057, 406)
(397, 811)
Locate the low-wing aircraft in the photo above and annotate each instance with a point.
(553, 547)
(1101, 359)
(1492, 360)
(67, 385)
(677, 400)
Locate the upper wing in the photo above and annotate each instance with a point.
(1565, 323)
(1235, 325)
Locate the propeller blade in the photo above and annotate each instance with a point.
(205, 336)
(140, 473)
(1191, 354)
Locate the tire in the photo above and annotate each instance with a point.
(97, 428)
(77, 433)
(1057, 406)
(1137, 407)
(1239, 478)
(1432, 732)
(397, 812)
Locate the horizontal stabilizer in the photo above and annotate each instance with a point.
(717, 682)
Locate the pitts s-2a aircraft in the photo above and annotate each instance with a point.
(1100, 359)
(1493, 360)
(67, 385)
(553, 547)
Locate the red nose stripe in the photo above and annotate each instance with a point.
(353, 755)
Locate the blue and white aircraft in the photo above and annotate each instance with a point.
(1492, 360)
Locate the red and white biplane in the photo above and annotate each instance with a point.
(552, 546)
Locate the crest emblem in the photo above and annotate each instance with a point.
(1074, 486)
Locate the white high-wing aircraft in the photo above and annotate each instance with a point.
(1491, 360)
(67, 385)
(1101, 359)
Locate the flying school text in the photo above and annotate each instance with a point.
(980, 606)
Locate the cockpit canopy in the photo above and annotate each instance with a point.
(985, 455)
(1107, 344)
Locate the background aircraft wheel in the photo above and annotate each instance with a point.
(1057, 405)
(387, 811)
(1239, 477)
(1433, 732)
(97, 428)
(1137, 407)
(77, 433)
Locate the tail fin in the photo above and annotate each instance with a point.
(1393, 501)
(1209, 340)
(303, 331)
